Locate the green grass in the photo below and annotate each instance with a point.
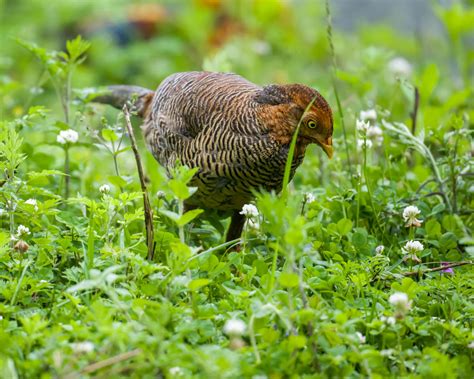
(312, 284)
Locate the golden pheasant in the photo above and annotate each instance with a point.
(237, 133)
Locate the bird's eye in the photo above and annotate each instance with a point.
(311, 124)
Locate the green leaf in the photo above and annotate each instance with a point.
(76, 48)
(448, 241)
(179, 189)
(117, 181)
(109, 135)
(188, 217)
(288, 280)
(172, 215)
(359, 239)
(296, 342)
(433, 228)
(196, 284)
(344, 226)
(428, 82)
(408, 286)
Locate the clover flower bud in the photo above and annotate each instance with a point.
(234, 328)
(401, 303)
(249, 211)
(104, 189)
(309, 198)
(400, 67)
(67, 136)
(360, 337)
(32, 202)
(379, 249)
(410, 214)
(369, 114)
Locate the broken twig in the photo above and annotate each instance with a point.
(150, 235)
(440, 268)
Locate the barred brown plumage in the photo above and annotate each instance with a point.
(237, 133)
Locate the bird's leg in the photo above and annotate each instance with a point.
(236, 226)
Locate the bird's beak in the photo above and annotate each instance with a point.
(327, 147)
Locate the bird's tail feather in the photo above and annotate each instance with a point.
(119, 95)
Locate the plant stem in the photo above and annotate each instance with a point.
(253, 340)
(150, 234)
(67, 177)
(415, 111)
(18, 286)
(334, 84)
(181, 227)
(455, 264)
(271, 284)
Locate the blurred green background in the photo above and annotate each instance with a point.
(141, 42)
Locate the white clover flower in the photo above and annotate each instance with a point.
(362, 126)
(32, 202)
(180, 280)
(388, 320)
(67, 136)
(471, 345)
(386, 352)
(375, 133)
(261, 47)
(360, 337)
(249, 211)
(409, 216)
(177, 371)
(83, 347)
(36, 90)
(2, 212)
(104, 189)
(367, 143)
(369, 114)
(253, 224)
(22, 230)
(398, 298)
(401, 303)
(160, 194)
(1, 317)
(234, 328)
(309, 198)
(379, 249)
(400, 67)
(413, 247)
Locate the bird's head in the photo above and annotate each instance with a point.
(296, 104)
(314, 116)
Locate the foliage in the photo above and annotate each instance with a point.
(317, 288)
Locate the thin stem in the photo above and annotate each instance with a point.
(372, 205)
(67, 177)
(18, 286)
(181, 227)
(271, 284)
(11, 215)
(150, 234)
(414, 114)
(334, 84)
(253, 340)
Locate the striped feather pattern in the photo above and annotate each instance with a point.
(222, 124)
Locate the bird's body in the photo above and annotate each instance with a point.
(215, 125)
(235, 132)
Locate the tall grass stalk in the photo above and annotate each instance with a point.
(334, 85)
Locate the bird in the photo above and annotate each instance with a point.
(236, 133)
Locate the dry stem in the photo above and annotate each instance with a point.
(150, 235)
